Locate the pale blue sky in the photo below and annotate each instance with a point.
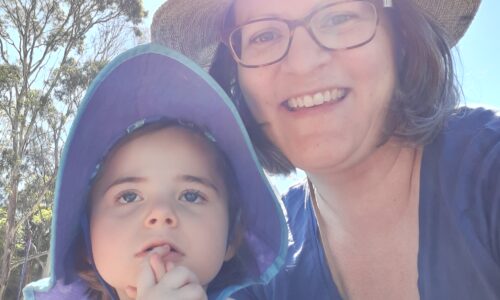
(479, 51)
(477, 62)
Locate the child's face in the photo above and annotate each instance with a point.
(160, 188)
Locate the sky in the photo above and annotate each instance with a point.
(477, 58)
(479, 52)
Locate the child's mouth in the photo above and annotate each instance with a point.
(159, 248)
(164, 249)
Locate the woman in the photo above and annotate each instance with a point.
(403, 193)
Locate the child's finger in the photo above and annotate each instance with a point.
(169, 266)
(145, 278)
(192, 291)
(157, 266)
(178, 277)
(131, 292)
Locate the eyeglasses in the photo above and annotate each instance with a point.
(335, 26)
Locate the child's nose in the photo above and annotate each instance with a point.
(161, 215)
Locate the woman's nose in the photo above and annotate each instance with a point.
(304, 54)
(162, 214)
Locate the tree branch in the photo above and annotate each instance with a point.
(19, 262)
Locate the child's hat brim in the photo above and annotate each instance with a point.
(145, 83)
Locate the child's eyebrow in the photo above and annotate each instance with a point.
(201, 180)
(189, 178)
(124, 180)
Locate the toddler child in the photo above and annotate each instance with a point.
(159, 194)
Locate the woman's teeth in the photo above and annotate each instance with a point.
(316, 98)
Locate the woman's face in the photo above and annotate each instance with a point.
(360, 81)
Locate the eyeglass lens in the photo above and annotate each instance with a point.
(339, 25)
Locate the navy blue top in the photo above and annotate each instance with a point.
(459, 221)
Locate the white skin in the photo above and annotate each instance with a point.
(367, 195)
(159, 218)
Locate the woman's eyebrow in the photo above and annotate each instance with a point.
(263, 15)
(201, 180)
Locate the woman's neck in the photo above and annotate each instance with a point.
(371, 196)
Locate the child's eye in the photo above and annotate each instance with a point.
(192, 197)
(129, 197)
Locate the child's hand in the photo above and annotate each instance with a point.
(159, 281)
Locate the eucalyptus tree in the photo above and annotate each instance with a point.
(49, 52)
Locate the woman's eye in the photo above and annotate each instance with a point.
(192, 197)
(129, 197)
(264, 37)
(336, 20)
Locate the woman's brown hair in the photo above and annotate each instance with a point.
(427, 92)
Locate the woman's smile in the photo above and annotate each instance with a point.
(324, 97)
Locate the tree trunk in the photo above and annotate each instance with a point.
(10, 226)
(10, 233)
(25, 268)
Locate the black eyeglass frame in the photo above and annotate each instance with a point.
(292, 25)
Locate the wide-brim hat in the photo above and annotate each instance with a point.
(149, 83)
(194, 27)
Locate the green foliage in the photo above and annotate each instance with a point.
(44, 216)
(3, 217)
(75, 77)
(9, 76)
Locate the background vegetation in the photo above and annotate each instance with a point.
(50, 50)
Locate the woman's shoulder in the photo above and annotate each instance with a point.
(468, 148)
(462, 166)
(471, 123)
(460, 204)
(470, 137)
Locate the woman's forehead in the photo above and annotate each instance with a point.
(245, 10)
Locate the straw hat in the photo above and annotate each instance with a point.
(193, 27)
